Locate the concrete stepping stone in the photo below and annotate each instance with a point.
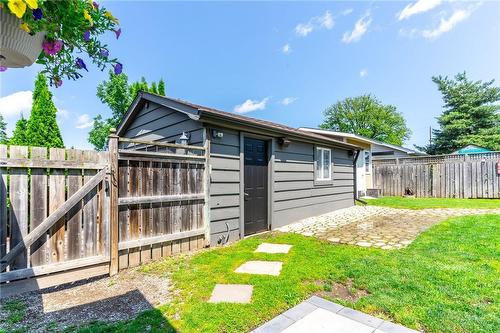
(261, 267)
(273, 248)
(231, 293)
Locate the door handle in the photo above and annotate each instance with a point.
(246, 195)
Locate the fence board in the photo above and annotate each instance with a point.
(3, 204)
(454, 177)
(56, 199)
(74, 217)
(39, 251)
(18, 206)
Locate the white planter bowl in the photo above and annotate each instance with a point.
(17, 47)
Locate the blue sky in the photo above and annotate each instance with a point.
(283, 61)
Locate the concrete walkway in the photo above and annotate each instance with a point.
(372, 226)
(317, 315)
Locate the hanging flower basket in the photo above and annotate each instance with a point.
(59, 35)
(17, 47)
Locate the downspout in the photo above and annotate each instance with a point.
(355, 167)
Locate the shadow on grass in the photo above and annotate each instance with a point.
(127, 312)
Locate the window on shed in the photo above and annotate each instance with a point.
(323, 164)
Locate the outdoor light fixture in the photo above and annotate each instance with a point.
(285, 142)
(184, 139)
(217, 134)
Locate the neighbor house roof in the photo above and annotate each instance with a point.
(203, 113)
(361, 138)
(471, 149)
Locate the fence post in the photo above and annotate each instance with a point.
(206, 190)
(113, 209)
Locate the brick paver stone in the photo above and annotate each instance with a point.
(231, 293)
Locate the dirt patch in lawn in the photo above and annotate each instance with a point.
(345, 291)
(107, 299)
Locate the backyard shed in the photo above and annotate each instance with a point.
(263, 175)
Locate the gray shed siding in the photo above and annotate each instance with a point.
(158, 123)
(225, 186)
(296, 196)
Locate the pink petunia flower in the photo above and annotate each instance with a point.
(52, 47)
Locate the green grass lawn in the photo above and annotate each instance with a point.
(446, 281)
(422, 203)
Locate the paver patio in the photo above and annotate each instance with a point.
(371, 226)
(317, 315)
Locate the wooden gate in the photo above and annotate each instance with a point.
(54, 215)
(161, 199)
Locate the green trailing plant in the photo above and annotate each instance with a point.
(71, 27)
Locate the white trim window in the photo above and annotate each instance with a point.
(323, 163)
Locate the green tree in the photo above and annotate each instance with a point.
(161, 87)
(19, 135)
(471, 115)
(365, 115)
(3, 130)
(117, 94)
(42, 129)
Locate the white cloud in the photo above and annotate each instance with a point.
(363, 72)
(84, 121)
(14, 104)
(251, 105)
(324, 21)
(447, 24)
(303, 29)
(286, 49)
(347, 11)
(288, 100)
(418, 7)
(359, 30)
(63, 113)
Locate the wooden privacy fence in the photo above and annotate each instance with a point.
(444, 176)
(68, 214)
(53, 212)
(162, 195)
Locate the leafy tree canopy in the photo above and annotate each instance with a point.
(471, 115)
(42, 129)
(365, 115)
(19, 134)
(3, 130)
(117, 94)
